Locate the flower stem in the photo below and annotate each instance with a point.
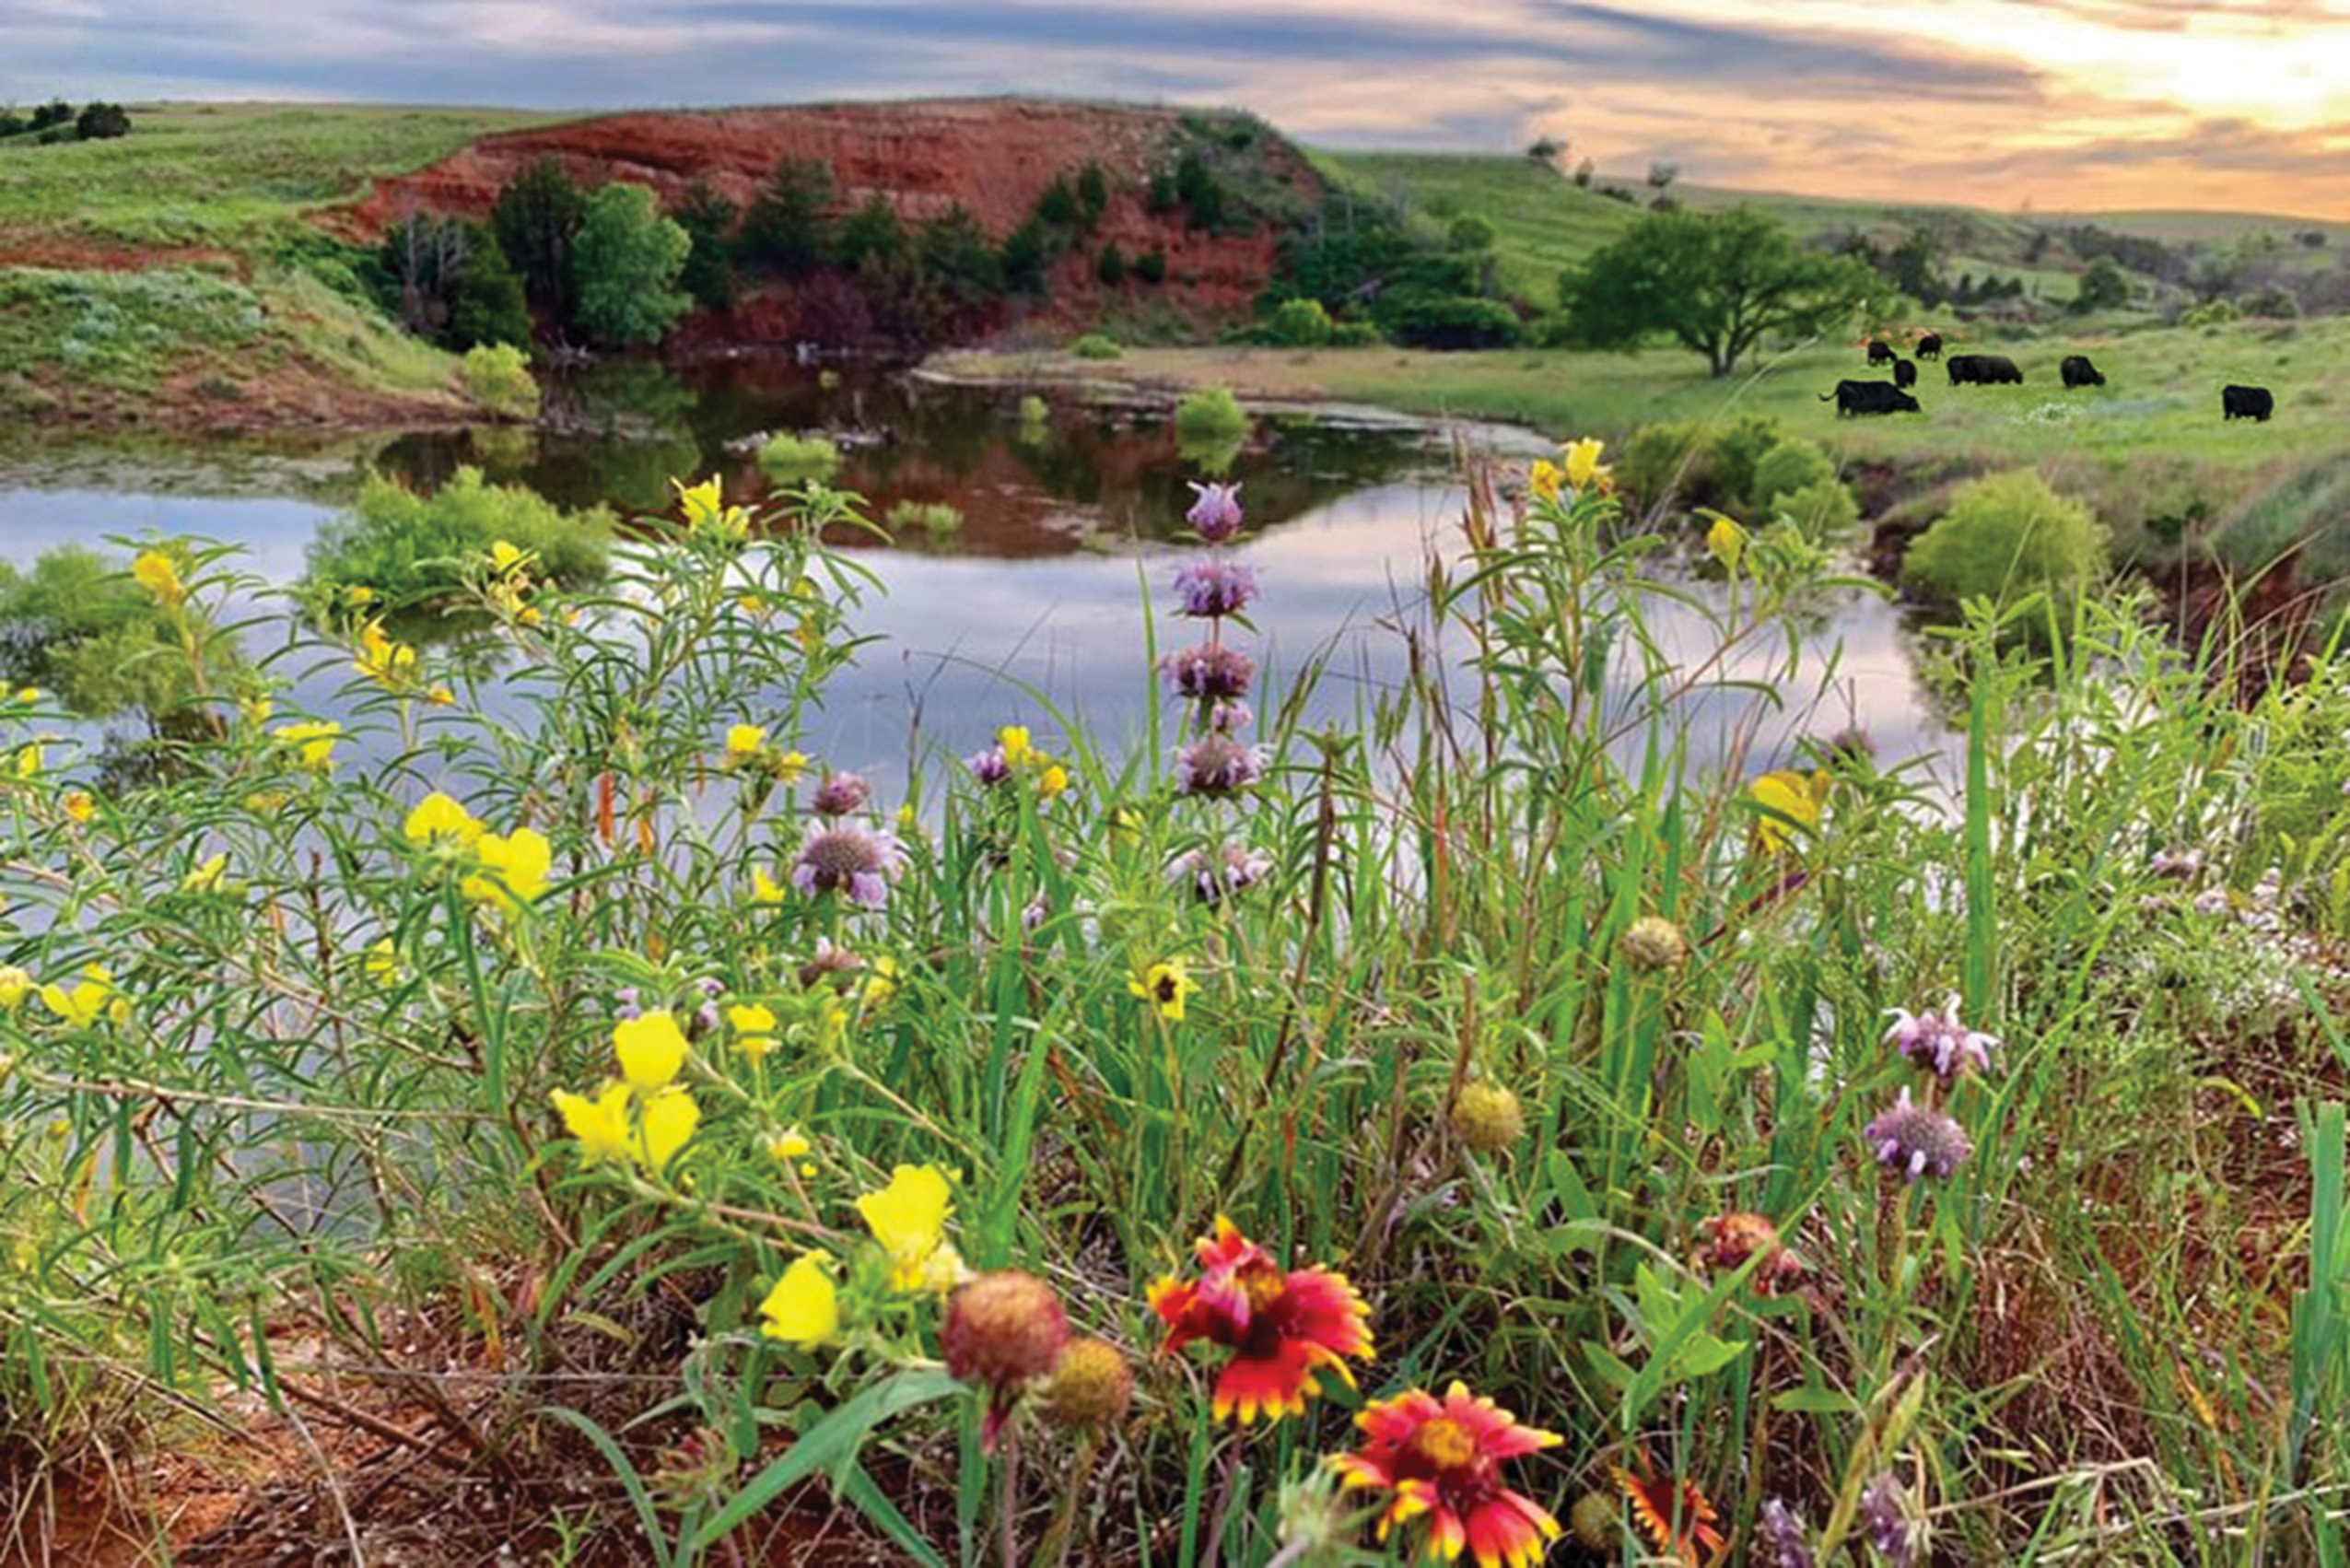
(1008, 1498)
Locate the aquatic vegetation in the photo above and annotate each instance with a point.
(1096, 345)
(789, 458)
(938, 519)
(406, 551)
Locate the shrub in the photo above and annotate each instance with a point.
(1110, 265)
(1355, 334)
(1212, 416)
(2004, 536)
(1823, 508)
(1096, 345)
(1301, 323)
(102, 122)
(1034, 410)
(1733, 451)
(1470, 232)
(1454, 322)
(498, 376)
(2274, 300)
(788, 457)
(538, 213)
(1150, 267)
(936, 518)
(2210, 313)
(1788, 466)
(1662, 460)
(413, 551)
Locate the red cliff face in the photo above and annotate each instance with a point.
(994, 157)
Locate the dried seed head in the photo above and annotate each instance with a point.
(1488, 1117)
(1090, 1387)
(1003, 1329)
(1653, 943)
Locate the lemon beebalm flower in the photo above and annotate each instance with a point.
(92, 997)
(159, 575)
(804, 1307)
(15, 986)
(666, 1124)
(650, 1050)
(908, 1218)
(754, 1029)
(439, 816)
(600, 1124)
(1165, 986)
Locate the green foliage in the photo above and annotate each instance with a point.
(1092, 190)
(76, 624)
(413, 552)
(1717, 285)
(2103, 287)
(538, 214)
(2004, 536)
(937, 519)
(1355, 334)
(1027, 259)
(790, 458)
(1784, 465)
(2210, 313)
(872, 233)
(787, 230)
(625, 263)
(1109, 267)
(1096, 346)
(1301, 323)
(1150, 267)
(1824, 509)
(709, 220)
(1211, 415)
(102, 122)
(957, 255)
(1733, 452)
(1470, 232)
(498, 376)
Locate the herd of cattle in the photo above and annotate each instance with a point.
(1993, 370)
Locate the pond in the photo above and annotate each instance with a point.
(1069, 523)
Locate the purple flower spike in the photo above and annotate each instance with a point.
(844, 857)
(1885, 1520)
(1227, 716)
(1210, 670)
(1780, 1540)
(840, 794)
(1214, 875)
(1212, 589)
(989, 767)
(1217, 766)
(1939, 1043)
(1914, 1141)
(1215, 516)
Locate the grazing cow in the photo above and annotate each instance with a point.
(1905, 374)
(2246, 403)
(1879, 352)
(2079, 372)
(1982, 370)
(1870, 397)
(1930, 346)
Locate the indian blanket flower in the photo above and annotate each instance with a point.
(1284, 1328)
(908, 1218)
(1885, 1520)
(1673, 1512)
(1725, 1242)
(90, 998)
(804, 1308)
(859, 863)
(1216, 766)
(1165, 986)
(1092, 1386)
(1915, 1141)
(159, 575)
(1210, 589)
(1215, 515)
(1440, 1462)
(1938, 1043)
(840, 794)
(1004, 1331)
(1216, 874)
(650, 1050)
(1488, 1116)
(1210, 672)
(1780, 1539)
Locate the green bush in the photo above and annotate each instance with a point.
(789, 458)
(1662, 460)
(498, 376)
(413, 551)
(2004, 536)
(1034, 410)
(936, 518)
(1788, 466)
(626, 260)
(1355, 334)
(1454, 322)
(2210, 313)
(1096, 345)
(1470, 232)
(1301, 323)
(1733, 451)
(1109, 267)
(1150, 267)
(76, 624)
(1824, 509)
(1211, 417)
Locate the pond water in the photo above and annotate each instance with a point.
(1069, 523)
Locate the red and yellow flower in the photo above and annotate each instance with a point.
(1441, 1459)
(1673, 1512)
(1284, 1326)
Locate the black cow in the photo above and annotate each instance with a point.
(1905, 374)
(1880, 352)
(2079, 372)
(1930, 346)
(1982, 370)
(1870, 397)
(2246, 403)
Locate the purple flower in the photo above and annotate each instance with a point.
(710, 987)
(1938, 1042)
(1780, 1540)
(840, 794)
(2177, 865)
(1215, 874)
(1914, 1141)
(845, 858)
(990, 768)
(627, 1003)
(1210, 670)
(1885, 1520)
(1230, 715)
(1215, 516)
(1215, 587)
(1217, 765)
(829, 961)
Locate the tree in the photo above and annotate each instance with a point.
(536, 216)
(625, 260)
(1584, 173)
(1470, 232)
(2104, 287)
(871, 230)
(1662, 175)
(957, 252)
(1714, 284)
(1110, 265)
(1546, 150)
(788, 228)
(707, 219)
(56, 111)
(487, 306)
(1026, 257)
(103, 121)
(422, 258)
(1093, 194)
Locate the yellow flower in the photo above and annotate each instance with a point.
(30, 761)
(944, 1272)
(1726, 540)
(79, 805)
(1012, 739)
(744, 741)
(881, 983)
(441, 696)
(765, 888)
(790, 765)
(666, 1125)
(1583, 465)
(358, 595)
(1052, 781)
(1544, 479)
(257, 708)
(207, 878)
(1164, 985)
(386, 662)
(600, 1124)
(15, 986)
(1791, 796)
(439, 816)
(650, 1048)
(504, 559)
(789, 1144)
(384, 962)
(515, 866)
(753, 1028)
(908, 1218)
(29, 696)
(804, 1307)
(752, 605)
(92, 997)
(159, 576)
(704, 506)
(315, 742)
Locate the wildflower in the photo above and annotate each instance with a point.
(1788, 801)
(1546, 479)
(1488, 1117)
(383, 962)
(1726, 1241)
(666, 1125)
(744, 742)
(386, 662)
(753, 1032)
(15, 986)
(30, 761)
(92, 997)
(1215, 516)
(908, 1218)
(1584, 467)
(860, 863)
(159, 575)
(1165, 986)
(1012, 741)
(514, 869)
(1780, 1540)
(600, 1125)
(2177, 865)
(1052, 783)
(1214, 589)
(1092, 1386)
(316, 743)
(1442, 1460)
(989, 767)
(831, 959)
(840, 794)
(506, 561)
(1226, 716)
(207, 877)
(650, 1050)
(704, 511)
(79, 806)
(628, 1002)
(1283, 1326)
(1217, 766)
(1210, 672)
(1726, 541)
(764, 889)
(29, 696)
(1217, 873)
(1595, 1518)
(1652, 942)
(804, 1308)
(1002, 1331)
(789, 1144)
(1938, 1042)
(1885, 1520)
(1916, 1140)
(1675, 1517)
(436, 817)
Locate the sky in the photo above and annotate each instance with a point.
(2057, 104)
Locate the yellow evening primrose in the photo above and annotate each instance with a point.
(516, 868)
(439, 816)
(764, 889)
(505, 558)
(92, 997)
(790, 765)
(384, 962)
(1544, 478)
(744, 741)
(15, 986)
(159, 575)
(316, 743)
(79, 805)
(908, 1218)
(1052, 781)
(30, 761)
(881, 983)
(1012, 740)
(1583, 463)
(650, 1050)
(789, 1144)
(29, 696)
(1793, 797)
(441, 696)
(1165, 986)
(804, 1307)
(600, 1124)
(382, 660)
(754, 1029)
(1726, 540)
(946, 1271)
(666, 1125)
(207, 877)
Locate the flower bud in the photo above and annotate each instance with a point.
(1090, 1387)
(1596, 1519)
(1488, 1117)
(1653, 943)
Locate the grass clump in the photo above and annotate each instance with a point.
(939, 520)
(411, 550)
(788, 457)
(2004, 536)
(1097, 346)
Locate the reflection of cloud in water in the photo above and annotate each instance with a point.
(274, 534)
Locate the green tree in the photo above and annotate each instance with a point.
(537, 214)
(1027, 256)
(957, 253)
(624, 262)
(2103, 287)
(871, 230)
(1715, 284)
(56, 111)
(1110, 265)
(1470, 232)
(789, 227)
(1093, 194)
(707, 219)
(486, 303)
(103, 121)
